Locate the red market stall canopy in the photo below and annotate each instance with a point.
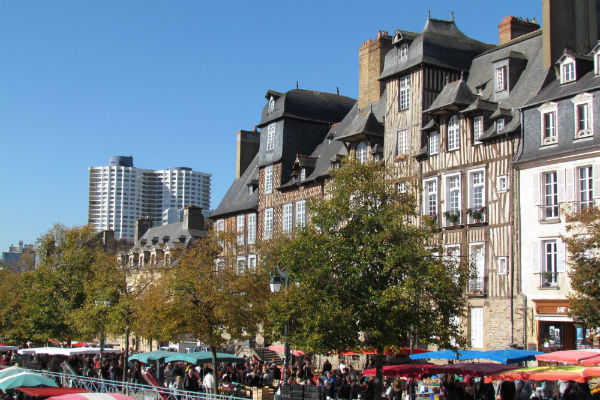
(280, 349)
(390, 351)
(563, 373)
(419, 370)
(568, 356)
(47, 392)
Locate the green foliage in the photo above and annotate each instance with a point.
(583, 243)
(367, 273)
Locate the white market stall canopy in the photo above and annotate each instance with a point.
(61, 351)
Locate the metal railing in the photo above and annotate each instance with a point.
(139, 391)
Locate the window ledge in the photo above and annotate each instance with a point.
(548, 288)
(476, 224)
(550, 221)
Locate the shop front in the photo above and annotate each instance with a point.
(555, 328)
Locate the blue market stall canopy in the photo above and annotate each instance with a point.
(507, 356)
(200, 357)
(153, 356)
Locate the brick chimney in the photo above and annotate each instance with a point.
(371, 57)
(512, 27)
(248, 143)
(571, 24)
(193, 218)
(141, 226)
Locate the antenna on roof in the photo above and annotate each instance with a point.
(296, 85)
(451, 14)
(337, 89)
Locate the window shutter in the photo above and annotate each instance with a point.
(570, 195)
(560, 256)
(560, 176)
(596, 175)
(536, 189)
(536, 268)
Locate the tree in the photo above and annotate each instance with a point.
(205, 295)
(583, 242)
(12, 287)
(367, 273)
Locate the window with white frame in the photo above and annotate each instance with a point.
(477, 128)
(567, 71)
(499, 125)
(404, 93)
(477, 259)
(240, 229)
(453, 196)
(269, 179)
(252, 228)
(268, 224)
(301, 214)
(220, 229)
(550, 263)
(476, 322)
(585, 188)
(252, 261)
(502, 183)
(302, 174)
(501, 79)
(597, 63)
(241, 265)
(549, 124)
(582, 104)
(434, 142)
(271, 136)
(502, 265)
(453, 253)
(287, 218)
(430, 197)
(361, 152)
(401, 187)
(453, 134)
(401, 142)
(477, 196)
(550, 194)
(271, 104)
(403, 51)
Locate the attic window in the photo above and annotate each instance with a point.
(271, 137)
(501, 78)
(250, 189)
(302, 174)
(499, 125)
(567, 71)
(597, 63)
(403, 51)
(271, 104)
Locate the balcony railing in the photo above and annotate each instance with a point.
(477, 215)
(477, 286)
(453, 218)
(549, 213)
(575, 209)
(549, 280)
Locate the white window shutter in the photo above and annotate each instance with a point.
(561, 260)
(536, 189)
(536, 267)
(560, 176)
(596, 175)
(569, 177)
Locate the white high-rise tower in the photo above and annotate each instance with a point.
(120, 194)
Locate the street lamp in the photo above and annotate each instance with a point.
(103, 303)
(275, 284)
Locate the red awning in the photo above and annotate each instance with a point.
(47, 392)
(280, 349)
(469, 369)
(407, 370)
(567, 356)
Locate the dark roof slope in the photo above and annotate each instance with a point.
(440, 43)
(238, 197)
(176, 233)
(308, 105)
(455, 93)
(554, 90)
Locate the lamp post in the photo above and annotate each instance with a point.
(275, 284)
(104, 304)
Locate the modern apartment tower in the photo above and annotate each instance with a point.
(121, 193)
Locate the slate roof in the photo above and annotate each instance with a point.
(511, 124)
(455, 93)
(175, 232)
(480, 105)
(307, 105)
(237, 197)
(364, 124)
(554, 90)
(440, 43)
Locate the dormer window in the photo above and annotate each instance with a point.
(271, 104)
(477, 129)
(403, 51)
(250, 189)
(499, 125)
(549, 131)
(271, 137)
(597, 63)
(567, 71)
(501, 78)
(302, 174)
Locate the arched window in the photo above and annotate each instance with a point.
(361, 152)
(271, 104)
(453, 134)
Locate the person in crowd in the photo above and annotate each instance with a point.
(326, 366)
(190, 382)
(208, 381)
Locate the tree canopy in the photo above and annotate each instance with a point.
(366, 272)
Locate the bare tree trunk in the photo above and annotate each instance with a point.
(125, 363)
(213, 351)
(378, 383)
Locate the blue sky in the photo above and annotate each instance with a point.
(170, 83)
